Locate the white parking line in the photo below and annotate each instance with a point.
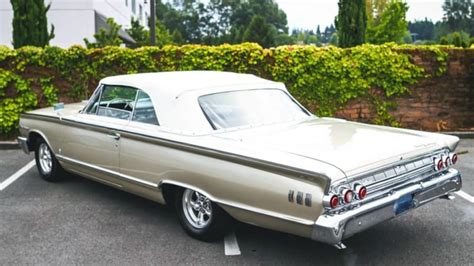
(16, 175)
(465, 196)
(231, 246)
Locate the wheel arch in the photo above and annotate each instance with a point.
(168, 187)
(33, 136)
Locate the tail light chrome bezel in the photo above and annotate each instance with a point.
(360, 191)
(334, 201)
(453, 157)
(331, 201)
(446, 160)
(438, 164)
(347, 195)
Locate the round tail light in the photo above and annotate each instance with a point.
(334, 201)
(361, 191)
(440, 165)
(454, 158)
(447, 161)
(348, 195)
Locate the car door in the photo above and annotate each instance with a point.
(139, 159)
(92, 143)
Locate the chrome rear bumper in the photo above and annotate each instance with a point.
(331, 229)
(23, 143)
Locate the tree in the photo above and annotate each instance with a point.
(301, 36)
(139, 33)
(457, 38)
(391, 25)
(459, 15)
(142, 36)
(328, 34)
(260, 31)
(423, 29)
(109, 37)
(177, 37)
(30, 23)
(351, 22)
(163, 36)
(220, 21)
(217, 21)
(375, 8)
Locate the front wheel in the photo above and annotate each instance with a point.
(199, 216)
(48, 167)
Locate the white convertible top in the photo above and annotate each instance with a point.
(175, 94)
(173, 84)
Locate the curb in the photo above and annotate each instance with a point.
(9, 145)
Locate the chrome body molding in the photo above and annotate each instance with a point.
(331, 229)
(218, 154)
(240, 206)
(23, 143)
(110, 172)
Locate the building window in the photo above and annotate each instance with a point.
(126, 2)
(140, 13)
(134, 6)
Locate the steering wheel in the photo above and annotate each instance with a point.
(126, 101)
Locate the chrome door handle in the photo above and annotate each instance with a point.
(115, 136)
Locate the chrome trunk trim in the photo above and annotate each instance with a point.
(331, 229)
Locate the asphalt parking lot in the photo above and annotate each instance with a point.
(82, 222)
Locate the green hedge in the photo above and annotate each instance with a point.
(323, 79)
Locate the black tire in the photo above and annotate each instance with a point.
(218, 223)
(50, 170)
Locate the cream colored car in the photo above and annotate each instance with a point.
(221, 146)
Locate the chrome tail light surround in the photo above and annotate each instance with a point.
(360, 191)
(347, 195)
(331, 201)
(453, 157)
(444, 161)
(363, 185)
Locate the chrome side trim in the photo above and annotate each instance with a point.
(239, 205)
(114, 173)
(269, 166)
(96, 179)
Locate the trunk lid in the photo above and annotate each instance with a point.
(351, 147)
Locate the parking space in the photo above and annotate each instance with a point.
(12, 161)
(83, 222)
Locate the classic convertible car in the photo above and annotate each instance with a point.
(223, 146)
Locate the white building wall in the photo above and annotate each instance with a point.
(74, 20)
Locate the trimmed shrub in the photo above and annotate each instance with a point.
(323, 79)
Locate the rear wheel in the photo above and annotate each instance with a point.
(48, 167)
(199, 216)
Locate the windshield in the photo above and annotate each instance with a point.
(250, 107)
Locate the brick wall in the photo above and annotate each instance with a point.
(444, 103)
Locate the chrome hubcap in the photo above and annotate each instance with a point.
(45, 158)
(197, 208)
